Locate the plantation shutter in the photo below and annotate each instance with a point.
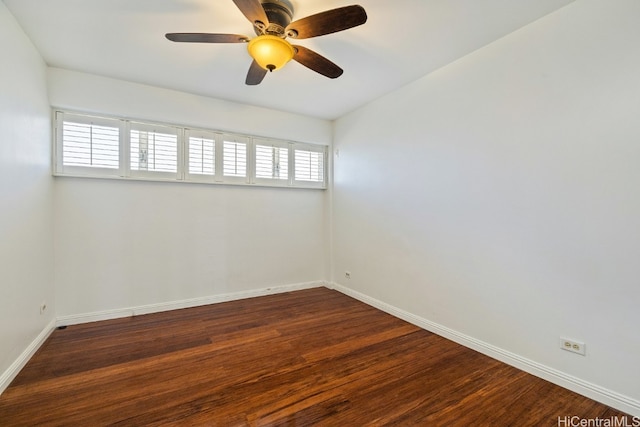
(88, 145)
(117, 148)
(202, 155)
(272, 161)
(234, 153)
(153, 149)
(309, 165)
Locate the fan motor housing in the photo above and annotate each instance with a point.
(280, 13)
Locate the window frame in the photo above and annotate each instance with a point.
(204, 134)
(314, 149)
(275, 182)
(156, 128)
(183, 135)
(236, 139)
(61, 169)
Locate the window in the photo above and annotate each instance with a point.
(91, 145)
(271, 161)
(234, 152)
(87, 145)
(201, 156)
(310, 165)
(153, 149)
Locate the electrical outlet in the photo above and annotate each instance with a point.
(43, 307)
(573, 346)
(347, 274)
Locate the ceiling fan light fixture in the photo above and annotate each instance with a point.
(270, 52)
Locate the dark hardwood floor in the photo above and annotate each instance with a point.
(313, 357)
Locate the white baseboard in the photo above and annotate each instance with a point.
(176, 305)
(585, 388)
(13, 370)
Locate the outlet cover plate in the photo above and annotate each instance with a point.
(573, 346)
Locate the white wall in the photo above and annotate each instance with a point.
(91, 93)
(499, 196)
(26, 246)
(126, 244)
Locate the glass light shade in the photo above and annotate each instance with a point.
(270, 52)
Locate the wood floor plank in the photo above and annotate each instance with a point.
(307, 358)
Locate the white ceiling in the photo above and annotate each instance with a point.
(402, 41)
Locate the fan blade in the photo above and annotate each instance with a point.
(317, 62)
(253, 11)
(328, 22)
(206, 38)
(255, 75)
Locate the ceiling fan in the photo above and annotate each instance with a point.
(271, 20)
